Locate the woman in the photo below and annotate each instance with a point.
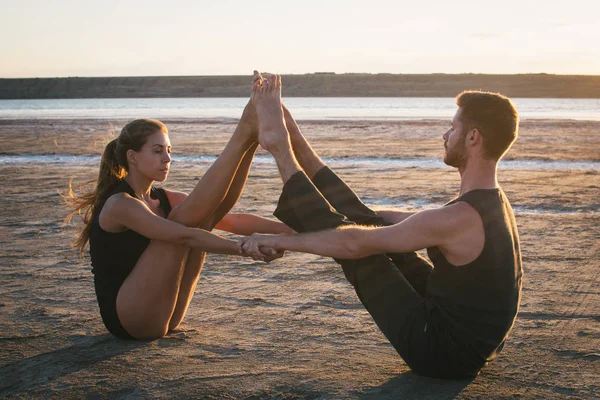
(146, 249)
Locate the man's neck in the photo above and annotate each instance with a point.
(478, 174)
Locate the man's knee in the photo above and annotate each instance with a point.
(369, 275)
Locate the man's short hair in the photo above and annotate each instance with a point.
(494, 116)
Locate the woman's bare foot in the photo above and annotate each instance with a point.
(266, 95)
(257, 79)
(249, 121)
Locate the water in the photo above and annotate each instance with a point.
(186, 161)
(368, 165)
(302, 107)
(222, 109)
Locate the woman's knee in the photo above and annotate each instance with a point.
(178, 215)
(149, 331)
(207, 224)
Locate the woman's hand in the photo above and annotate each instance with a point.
(250, 247)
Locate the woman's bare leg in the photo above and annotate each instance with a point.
(147, 299)
(195, 259)
(235, 190)
(213, 187)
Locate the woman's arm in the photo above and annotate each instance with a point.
(122, 212)
(247, 224)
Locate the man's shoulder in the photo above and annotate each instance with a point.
(450, 219)
(459, 217)
(458, 209)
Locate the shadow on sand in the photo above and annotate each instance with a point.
(412, 386)
(25, 374)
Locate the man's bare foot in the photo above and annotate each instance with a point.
(291, 125)
(272, 133)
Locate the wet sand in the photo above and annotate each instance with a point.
(294, 328)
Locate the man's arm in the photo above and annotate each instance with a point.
(247, 224)
(439, 227)
(394, 216)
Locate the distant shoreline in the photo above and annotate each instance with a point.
(307, 85)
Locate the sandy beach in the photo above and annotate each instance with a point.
(293, 329)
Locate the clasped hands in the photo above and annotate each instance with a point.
(250, 246)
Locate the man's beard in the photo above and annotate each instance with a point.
(456, 156)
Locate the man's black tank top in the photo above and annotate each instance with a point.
(480, 300)
(114, 255)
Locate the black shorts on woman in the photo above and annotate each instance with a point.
(408, 299)
(114, 255)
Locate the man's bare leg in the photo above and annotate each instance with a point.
(335, 191)
(309, 160)
(346, 202)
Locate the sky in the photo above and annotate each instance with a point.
(60, 38)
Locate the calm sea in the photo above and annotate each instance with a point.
(370, 166)
(364, 163)
(303, 108)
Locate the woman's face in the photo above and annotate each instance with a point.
(154, 158)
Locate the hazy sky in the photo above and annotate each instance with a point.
(224, 37)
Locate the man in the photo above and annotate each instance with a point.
(448, 321)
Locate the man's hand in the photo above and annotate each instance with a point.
(250, 247)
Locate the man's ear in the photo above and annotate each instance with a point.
(473, 136)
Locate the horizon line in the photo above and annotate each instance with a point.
(301, 74)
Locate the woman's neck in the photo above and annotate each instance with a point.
(140, 185)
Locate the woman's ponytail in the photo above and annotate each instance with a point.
(110, 175)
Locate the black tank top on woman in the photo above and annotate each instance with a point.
(480, 300)
(114, 256)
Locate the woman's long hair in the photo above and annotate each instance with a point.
(113, 169)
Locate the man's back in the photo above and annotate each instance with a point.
(480, 300)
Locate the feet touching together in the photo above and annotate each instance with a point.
(266, 96)
(273, 136)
